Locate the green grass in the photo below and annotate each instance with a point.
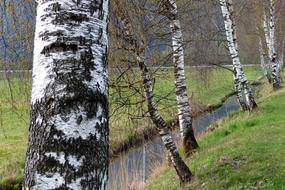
(202, 92)
(246, 151)
(14, 115)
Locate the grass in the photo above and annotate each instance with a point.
(203, 93)
(14, 115)
(246, 151)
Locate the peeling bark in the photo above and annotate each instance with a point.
(184, 110)
(68, 141)
(242, 86)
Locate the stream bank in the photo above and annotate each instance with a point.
(149, 133)
(134, 167)
(243, 151)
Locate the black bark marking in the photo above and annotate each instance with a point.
(97, 6)
(59, 47)
(56, 7)
(69, 93)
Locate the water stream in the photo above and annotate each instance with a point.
(136, 165)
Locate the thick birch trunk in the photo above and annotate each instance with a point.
(181, 168)
(184, 112)
(276, 80)
(68, 142)
(239, 75)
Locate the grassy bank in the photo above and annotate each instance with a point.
(203, 93)
(245, 151)
(14, 115)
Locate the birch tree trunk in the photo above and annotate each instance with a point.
(239, 92)
(281, 56)
(181, 168)
(266, 33)
(276, 80)
(262, 60)
(68, 141)
(184, 112)
(241, 83)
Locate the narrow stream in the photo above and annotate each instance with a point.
(136, 165)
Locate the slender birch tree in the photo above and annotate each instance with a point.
(68, 141)
(269, 28)
(263, 46)
(276, 80)
(263, 60)
(266, 33)
(263, 38)
(181, 168)
(242, 86)
(169, 9)
(281, 56)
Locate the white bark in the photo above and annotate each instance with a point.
(68, 142)
(267, 34)
(184, 112)
(272, 29)
(281, 55)
(239, 75)
(263, 60)
(271, 47)
(181, 168)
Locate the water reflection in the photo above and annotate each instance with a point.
(135, 166)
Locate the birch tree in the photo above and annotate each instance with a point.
(270, 30)
(138, 46)
(263, 38)
(264, 44)
(68, 141)
(263, 49)
(242, 86)
(181, 168)
(281, 56)
(266, 33)
(263, 60)
(272, 51)
(169, 9)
